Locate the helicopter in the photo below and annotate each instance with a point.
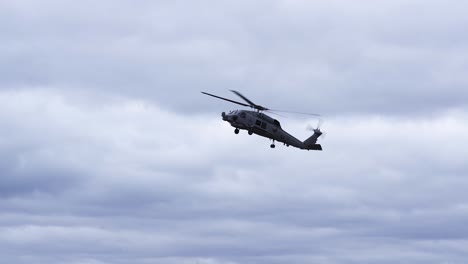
(256, 122)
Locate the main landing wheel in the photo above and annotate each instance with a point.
(250, 132)
(236, 131)
(272, 146)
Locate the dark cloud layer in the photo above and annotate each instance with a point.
(109, 153)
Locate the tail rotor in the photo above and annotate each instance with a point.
(316, 129)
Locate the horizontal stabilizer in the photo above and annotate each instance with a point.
(315, 147)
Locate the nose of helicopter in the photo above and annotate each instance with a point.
(229, 117)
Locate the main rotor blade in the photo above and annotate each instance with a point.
(222, 98)
(258, 107)
(274, 113)
(293, 112)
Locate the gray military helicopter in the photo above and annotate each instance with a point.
(256, 122)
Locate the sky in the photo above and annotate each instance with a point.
(109, 153)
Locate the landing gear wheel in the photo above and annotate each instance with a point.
(250, 132)
(236, 131)
(272, 146)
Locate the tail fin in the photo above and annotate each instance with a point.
(311, 142)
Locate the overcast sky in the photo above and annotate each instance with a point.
(110, 154)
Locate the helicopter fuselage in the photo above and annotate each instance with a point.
(261, 124)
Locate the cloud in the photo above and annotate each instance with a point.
(110, 154)
(397, 58)
(128, 181)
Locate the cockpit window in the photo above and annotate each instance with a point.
(277, 123)
(242, 115)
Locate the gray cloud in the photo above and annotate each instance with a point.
(109, 153)
(335, 58)
(143, 191)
